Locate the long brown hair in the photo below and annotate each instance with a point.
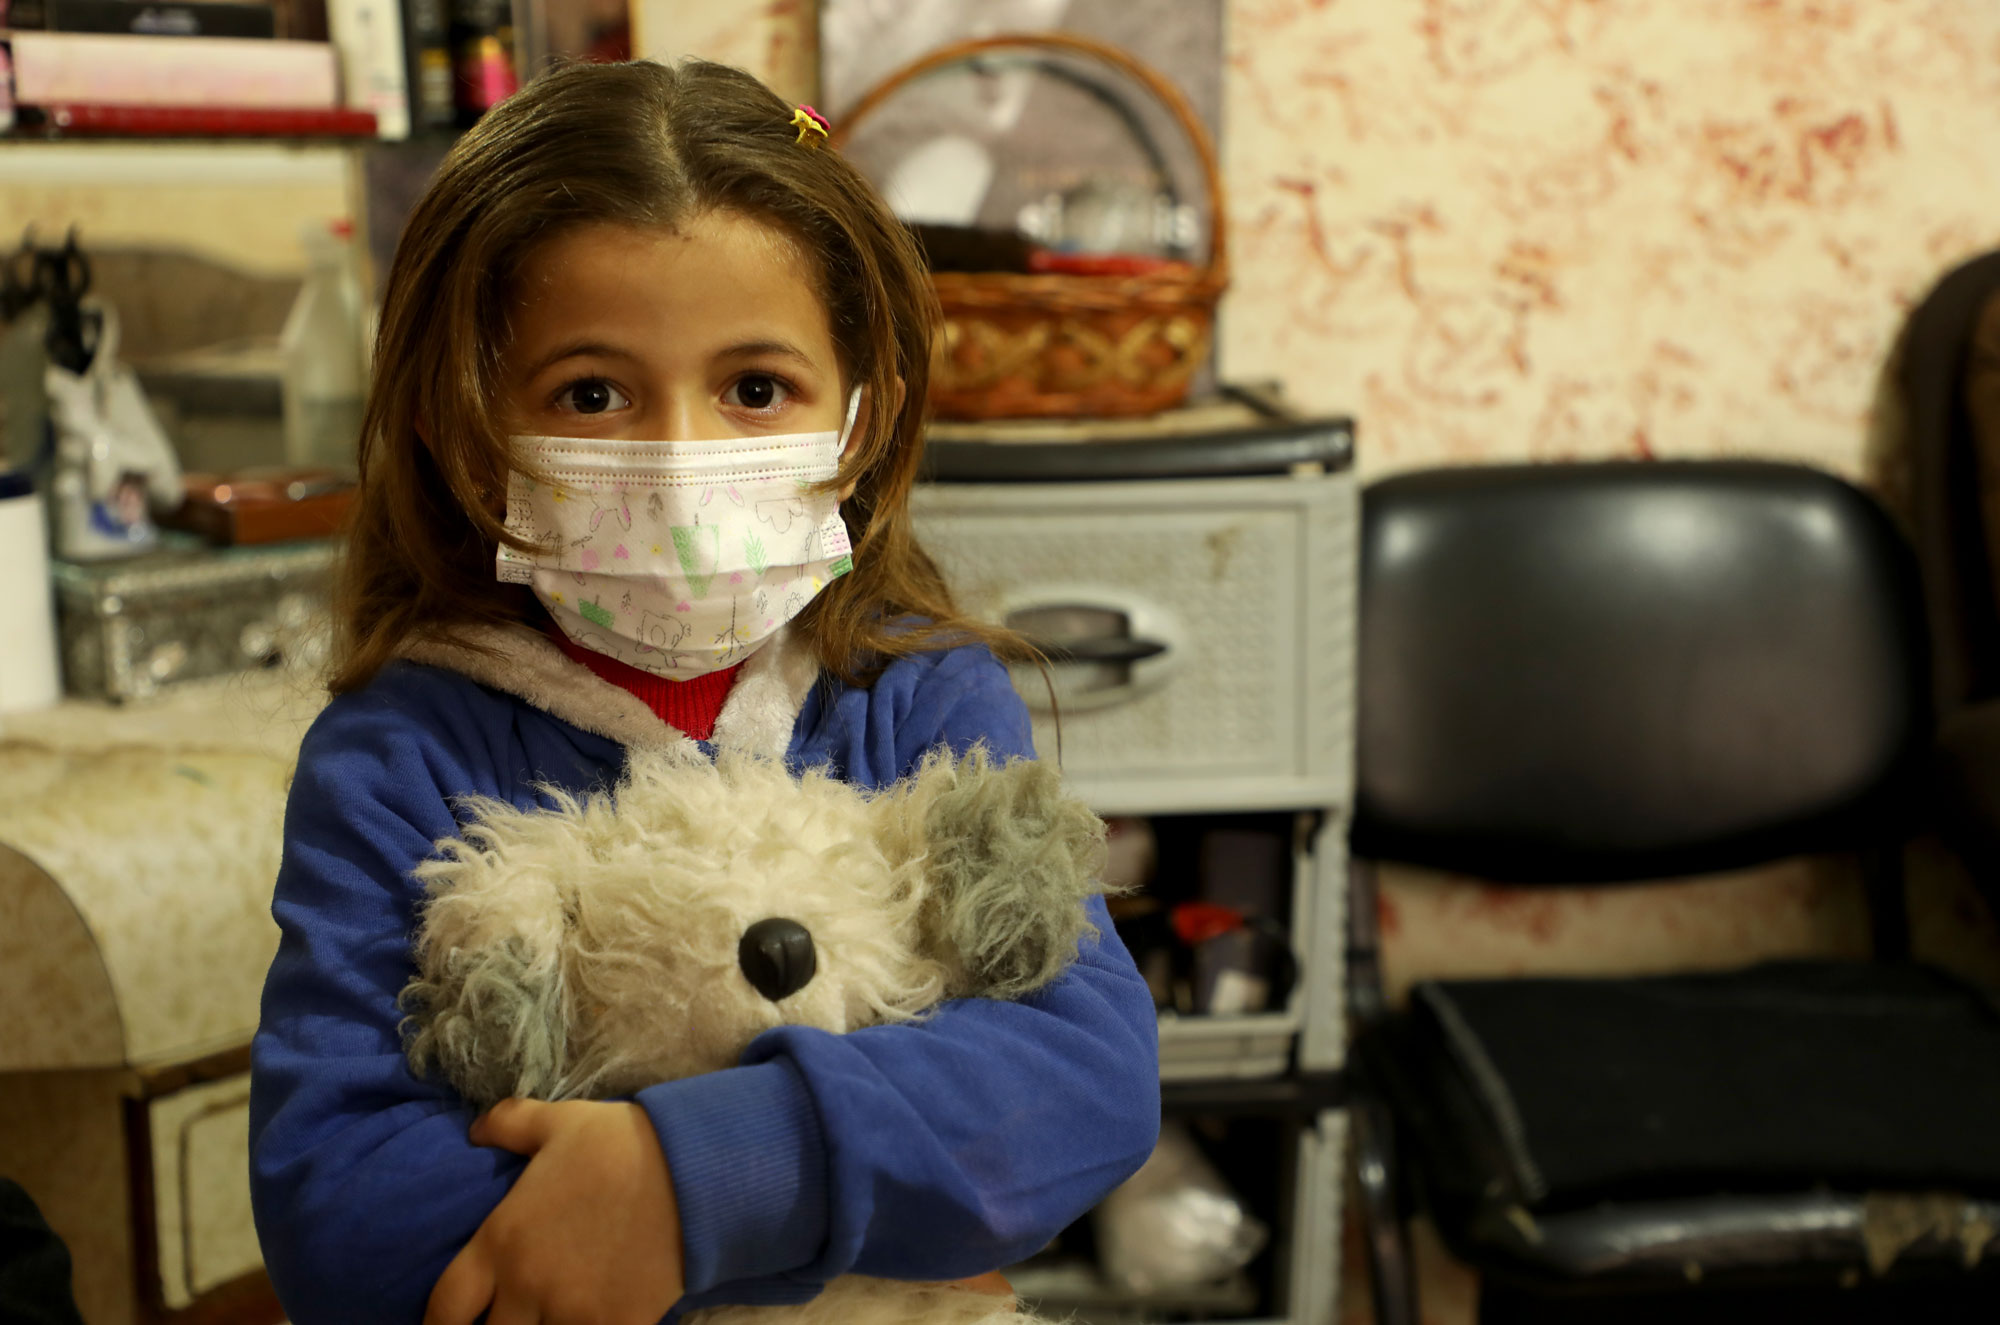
(648, 145)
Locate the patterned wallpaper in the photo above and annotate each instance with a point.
(1502, 229)
(1505, 229)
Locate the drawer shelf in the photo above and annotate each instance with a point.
(1293, 1165)
(1249, 1039)
(1245, 586)
(1226, 1048)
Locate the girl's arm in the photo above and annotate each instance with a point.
(934, 1150)
(363, 1180)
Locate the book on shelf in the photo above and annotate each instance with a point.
(198, 121)
(301, 20)
(102, 69)
(369, 37)
(427, 65)
(208, 18)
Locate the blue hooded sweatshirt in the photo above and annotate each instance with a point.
(933, 1150)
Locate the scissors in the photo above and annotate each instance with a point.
(62, 277)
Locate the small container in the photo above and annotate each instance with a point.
(189, 613)
(29, 677)
(482, 47)
(264, 506)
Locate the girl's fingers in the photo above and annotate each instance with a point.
(464, 1289)
(518, 1125)
(509, 1309)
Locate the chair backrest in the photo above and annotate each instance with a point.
(1604, 672)
(1950, 533)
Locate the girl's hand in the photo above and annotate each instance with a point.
(590, 1234)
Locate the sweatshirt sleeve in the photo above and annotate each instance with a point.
(363, 1182)
(931, 1150)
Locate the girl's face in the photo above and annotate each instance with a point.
(714, 330)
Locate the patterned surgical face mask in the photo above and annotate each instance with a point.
(679, 558)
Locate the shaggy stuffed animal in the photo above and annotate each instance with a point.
(615, 941)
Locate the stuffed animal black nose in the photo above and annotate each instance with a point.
(777, 957)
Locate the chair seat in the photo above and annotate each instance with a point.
(1742, 1236)
(1789, 1112)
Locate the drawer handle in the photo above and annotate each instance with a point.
(1101, 649)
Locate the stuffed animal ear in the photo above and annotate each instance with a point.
(492, 1021)
(1010, 856)
(488, 1008)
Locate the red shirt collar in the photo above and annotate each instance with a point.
(688, 706)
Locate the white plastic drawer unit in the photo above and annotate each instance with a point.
(1201, 622)
(199, 1142)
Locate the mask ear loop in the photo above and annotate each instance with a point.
(847, 428)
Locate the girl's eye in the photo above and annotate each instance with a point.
(591, 395)
(758, 391)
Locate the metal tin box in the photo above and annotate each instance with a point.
(186, 613)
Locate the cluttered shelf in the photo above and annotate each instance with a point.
(1230, 1220)
(188, 125)
(340, 70)
(82, 68)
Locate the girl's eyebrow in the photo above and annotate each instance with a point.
(578, 349)
(752, 348)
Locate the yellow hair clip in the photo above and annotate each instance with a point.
(809, 121)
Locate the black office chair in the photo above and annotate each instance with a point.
(1592, 674)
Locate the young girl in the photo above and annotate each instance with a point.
(624, 271)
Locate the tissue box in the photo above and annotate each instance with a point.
(187, 613)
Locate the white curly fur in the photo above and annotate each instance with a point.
(590, 949)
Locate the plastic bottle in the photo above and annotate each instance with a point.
(324, 348)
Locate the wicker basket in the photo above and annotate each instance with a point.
(1020, 345)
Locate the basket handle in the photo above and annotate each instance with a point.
(1140, 72)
